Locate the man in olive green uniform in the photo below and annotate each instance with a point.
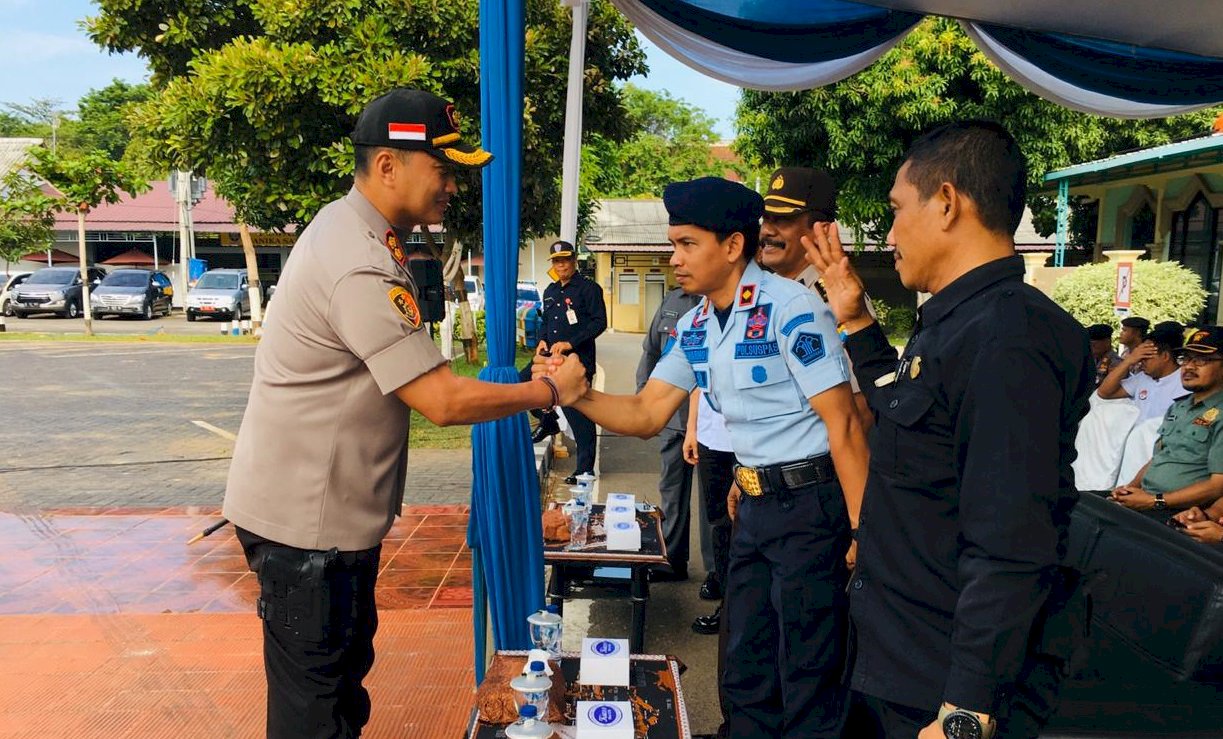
(1187, 467)
(319, 466)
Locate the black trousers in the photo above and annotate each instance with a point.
(715, 473)
(786, 613)
(319, 620)
(586, 438)
(675, 489)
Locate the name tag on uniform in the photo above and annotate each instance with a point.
(572, 315)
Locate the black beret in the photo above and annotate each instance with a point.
(1142, 324)
(1100, 332)
(713, 204)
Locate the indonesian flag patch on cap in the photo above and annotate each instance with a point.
(405, 131)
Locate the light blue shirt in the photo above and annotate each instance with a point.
(780, 347)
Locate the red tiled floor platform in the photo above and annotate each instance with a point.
(113, 627)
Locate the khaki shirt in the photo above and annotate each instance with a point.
(321, 456)
(1190, 447)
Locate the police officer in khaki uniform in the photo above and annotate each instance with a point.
(319, 466)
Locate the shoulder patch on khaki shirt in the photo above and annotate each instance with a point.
(403, 301)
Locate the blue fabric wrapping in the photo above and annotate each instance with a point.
(1119, 70)
(793, 31)
(504, 532)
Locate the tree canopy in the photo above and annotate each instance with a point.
(859, 128)
(261, 94)
(98, 124)
(27, 216)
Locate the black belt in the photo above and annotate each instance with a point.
(779, 478)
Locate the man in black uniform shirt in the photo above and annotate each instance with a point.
(573, 317)
(968, 499)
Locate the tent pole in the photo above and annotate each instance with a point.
(573, 122)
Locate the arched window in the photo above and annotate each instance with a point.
(1195, 244)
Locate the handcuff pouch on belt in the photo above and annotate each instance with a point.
(779, 478)
(294, 591)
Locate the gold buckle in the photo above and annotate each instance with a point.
(748, 479)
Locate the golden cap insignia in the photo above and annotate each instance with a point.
(778, 182)
(1198, 336)
(403, 301)
(915, 368)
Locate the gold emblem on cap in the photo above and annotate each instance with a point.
(915, 368)
(1199, 336)
(778, 182)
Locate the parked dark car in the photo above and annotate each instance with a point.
(132, 292)
(53, 290)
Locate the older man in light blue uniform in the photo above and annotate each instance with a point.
(767, 352)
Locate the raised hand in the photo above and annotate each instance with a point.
(846, 294)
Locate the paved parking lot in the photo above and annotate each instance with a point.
(173, 324)
(129, 424)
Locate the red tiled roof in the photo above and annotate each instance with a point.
(155, 210)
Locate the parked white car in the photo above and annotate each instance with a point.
(475, 292)
(8, 282)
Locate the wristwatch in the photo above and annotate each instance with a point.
(1160, 503)
(960, 724)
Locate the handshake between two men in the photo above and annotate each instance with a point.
(562, 371)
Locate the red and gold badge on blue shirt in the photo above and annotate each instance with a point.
(396, 248)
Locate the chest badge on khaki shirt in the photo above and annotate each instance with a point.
(406, 305)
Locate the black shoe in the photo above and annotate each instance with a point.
(708, 624)
(711, 589)
(548, 426)
(669, 575)
(571, 480)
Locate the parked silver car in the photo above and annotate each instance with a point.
(220, 293)
(53, 290)
(132, 292)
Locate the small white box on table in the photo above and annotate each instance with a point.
(604, 720)
(604, 662)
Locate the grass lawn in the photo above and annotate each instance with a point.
(424, 435)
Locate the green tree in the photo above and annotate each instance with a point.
(671, 141)
(101, 123)
(860, 127)
(85, 181)
(262, 96)
(27, 216)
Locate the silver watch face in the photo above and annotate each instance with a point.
(962, 725)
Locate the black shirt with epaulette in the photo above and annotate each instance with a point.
(969, 492)
(585, 298)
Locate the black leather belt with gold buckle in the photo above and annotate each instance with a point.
(777, 478)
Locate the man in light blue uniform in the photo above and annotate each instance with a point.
(767, 352)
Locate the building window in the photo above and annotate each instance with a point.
(1195, 244)
(629, 289)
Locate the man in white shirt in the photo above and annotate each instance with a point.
(1158, 383)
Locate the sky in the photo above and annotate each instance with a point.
(47, 55)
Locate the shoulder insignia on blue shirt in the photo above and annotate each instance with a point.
(666, 348)
(756, 349)
(757, 328)
(759, 373)
(808, 348)
(696, 356)
(702, 379)
(692, 339)
(797, 321)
